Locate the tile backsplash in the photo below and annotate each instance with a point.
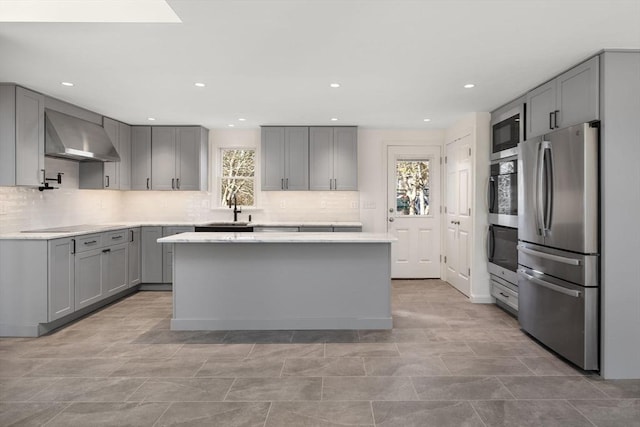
(24, 208)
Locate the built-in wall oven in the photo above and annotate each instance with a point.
(507, 129)
(502, 254)
(507, 133)
(502, 192)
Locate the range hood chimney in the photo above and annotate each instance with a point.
(69, 137)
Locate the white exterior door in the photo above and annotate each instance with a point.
(413, 208)
(458, 214)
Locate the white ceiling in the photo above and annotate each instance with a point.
(271, 62)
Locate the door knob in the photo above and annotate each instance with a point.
(390, 210)
(390, 219)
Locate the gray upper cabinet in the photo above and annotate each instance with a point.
(141, 157)
(21, 136)
(333, 160)
(285, 158)
(110, 175)
(179, 158)
(569, 99)
(124, 141)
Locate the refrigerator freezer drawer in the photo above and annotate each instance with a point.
(575, 268)
(561, 315)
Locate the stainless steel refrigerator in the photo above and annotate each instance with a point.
(558, 248)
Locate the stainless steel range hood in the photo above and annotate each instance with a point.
(73, 138)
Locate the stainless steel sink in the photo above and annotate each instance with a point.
(218, 227)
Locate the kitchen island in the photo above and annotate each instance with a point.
(268, 281)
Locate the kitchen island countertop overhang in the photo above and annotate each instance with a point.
(276, 281)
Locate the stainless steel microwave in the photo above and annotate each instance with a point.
(507, 131)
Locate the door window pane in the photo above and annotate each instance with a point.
(412, 187)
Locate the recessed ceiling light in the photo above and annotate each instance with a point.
(427, 120)
(151, 119)
(469, 85)
(334, 119)
(199, 84)
(67, 84)
(242, 119)
(231, 125)
(335, 85)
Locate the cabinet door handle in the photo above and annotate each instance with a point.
(106, 181)
(147, 183)
(104, 251)
(555, 118)
(92, 242)
(551, 114)
(73, 246)
(330, 184)
(178, 183)
(504, 295)
(116, 237)
(173, 183)
(131, 231)
(43, 176)
(282, 183)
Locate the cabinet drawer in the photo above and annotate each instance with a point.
(504, 294)
(88, 242)
(115, 237)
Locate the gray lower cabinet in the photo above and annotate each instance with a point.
(61, 278)
(179, 158)
(141, 157)
(347, 229)
(116, 277)
(333, 160)
(569, 99)
(89, 267)
(167, 251)
(21, 136)
(135, 248)
(151, 254)
(100, 266)
(285, 158)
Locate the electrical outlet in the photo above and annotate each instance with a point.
(283, 204)
(354, 204)
(369, 205)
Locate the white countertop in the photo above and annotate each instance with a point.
(278, 238)
(81, 229)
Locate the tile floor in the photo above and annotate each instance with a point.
(447, 362)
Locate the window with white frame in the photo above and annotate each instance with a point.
(237, 176)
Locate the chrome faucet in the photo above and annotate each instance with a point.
(236, 211)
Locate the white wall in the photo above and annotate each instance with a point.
(477, 126)
(620, 204)
(372, 169)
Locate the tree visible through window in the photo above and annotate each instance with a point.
(412, 187)
(238, 176)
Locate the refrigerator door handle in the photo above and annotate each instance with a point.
(556, 288)
(539, 200)
(551, 257)
(549, 194)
